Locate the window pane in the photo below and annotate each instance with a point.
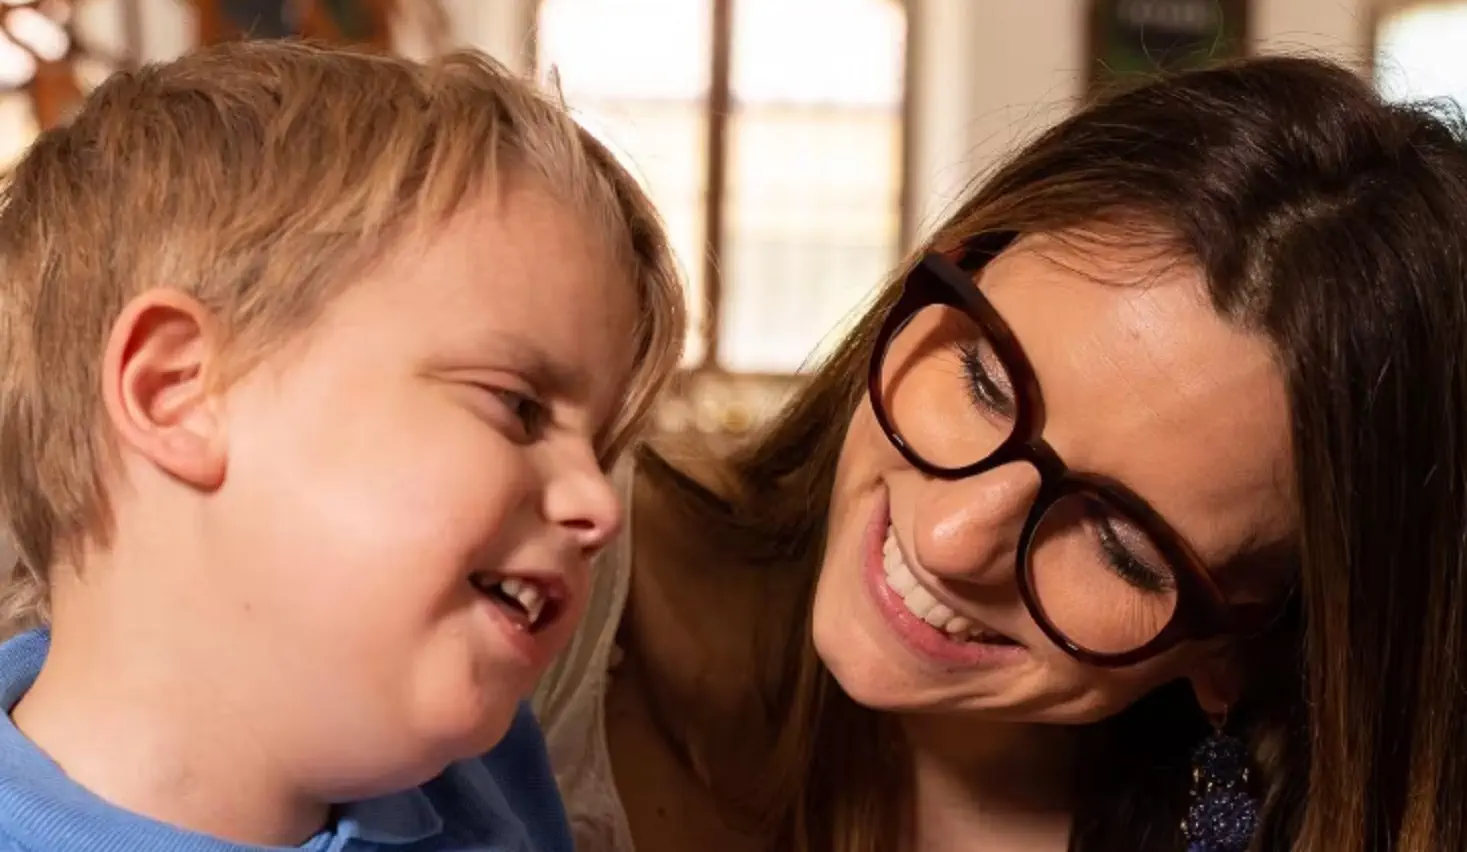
(814, 182)
(87, 35)
(637, 73)
(1419, 53)
(18, 128)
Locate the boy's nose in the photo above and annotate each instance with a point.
(584, 501)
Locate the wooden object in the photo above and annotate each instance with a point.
(363, 22)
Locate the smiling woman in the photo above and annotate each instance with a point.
(1111, 527)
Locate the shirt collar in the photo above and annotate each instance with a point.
(47, 807)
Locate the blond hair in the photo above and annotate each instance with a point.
(258, 177)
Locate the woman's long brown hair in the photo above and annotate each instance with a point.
(1335, 225)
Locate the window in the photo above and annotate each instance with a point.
(1419, 52)
(770, 136)
(52, 53)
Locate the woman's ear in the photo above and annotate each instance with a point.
(1217, 680)
(157, 368)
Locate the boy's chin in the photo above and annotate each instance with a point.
(435, 751)
(468, 738)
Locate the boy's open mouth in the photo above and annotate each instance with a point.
(529, 604)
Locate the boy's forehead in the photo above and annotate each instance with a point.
(517, 273)
(524, 243)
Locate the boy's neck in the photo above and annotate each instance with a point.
(996, 787)
(132, 707)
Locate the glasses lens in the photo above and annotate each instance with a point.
(1097, 578)
(945, 393)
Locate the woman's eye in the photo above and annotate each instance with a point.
(1123, 562)
(982, 388)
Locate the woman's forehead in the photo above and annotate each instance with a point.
(1144, 382)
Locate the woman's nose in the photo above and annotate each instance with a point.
(968, 530)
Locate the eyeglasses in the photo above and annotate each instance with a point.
(1104, 576)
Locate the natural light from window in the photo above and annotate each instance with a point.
(1422, 53)
(813, 218)
(637, 73)
(810, 206)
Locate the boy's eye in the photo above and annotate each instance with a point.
(528, 413)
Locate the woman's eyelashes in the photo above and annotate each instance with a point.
(984, 390)
(1123, 562)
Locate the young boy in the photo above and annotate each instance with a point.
(312, 364)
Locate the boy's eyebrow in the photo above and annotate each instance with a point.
(531, 356)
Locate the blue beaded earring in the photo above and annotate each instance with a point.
(1222, 814)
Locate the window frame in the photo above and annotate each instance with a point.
(705, 396)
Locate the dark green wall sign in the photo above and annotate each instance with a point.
(1130, 39)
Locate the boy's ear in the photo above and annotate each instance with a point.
(156, 373)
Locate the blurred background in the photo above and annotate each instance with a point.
(797, 148)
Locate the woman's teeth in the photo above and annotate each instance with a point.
(922, 604)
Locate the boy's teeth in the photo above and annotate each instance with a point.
(921, 602)
(527, 594)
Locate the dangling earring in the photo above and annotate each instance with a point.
(1222, 813)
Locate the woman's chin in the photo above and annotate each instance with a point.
(872, 669)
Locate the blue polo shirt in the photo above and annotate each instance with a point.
(503, 802)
